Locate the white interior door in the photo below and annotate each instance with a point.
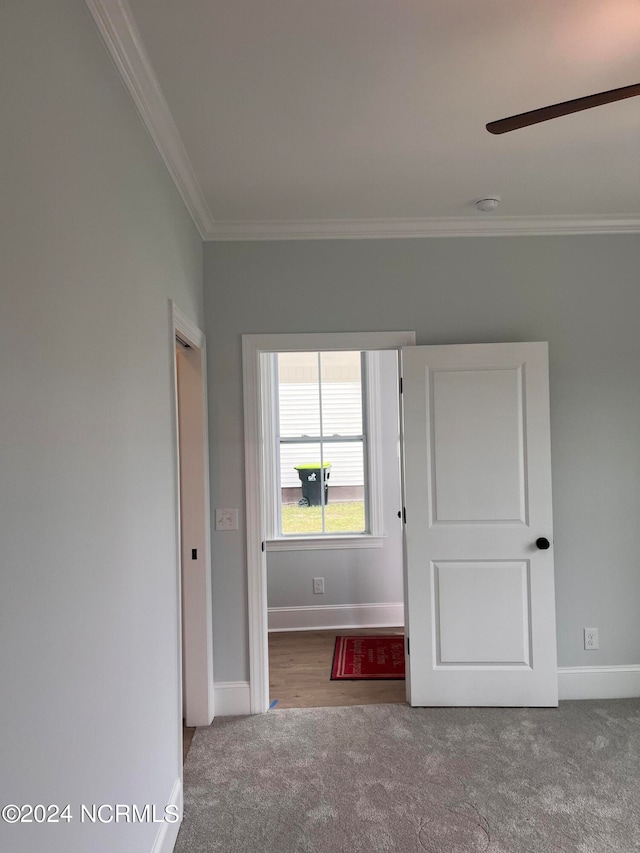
(480, 607)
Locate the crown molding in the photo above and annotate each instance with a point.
(123, 41)
(468, 226)
(119, 32)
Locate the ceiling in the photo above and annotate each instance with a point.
(303, 117)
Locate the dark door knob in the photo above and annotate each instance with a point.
(543, 543)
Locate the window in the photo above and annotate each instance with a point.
(317, 429)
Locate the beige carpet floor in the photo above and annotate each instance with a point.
(380, 778)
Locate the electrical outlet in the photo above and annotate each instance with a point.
(226, 519)
(591, 639)
(318, 586)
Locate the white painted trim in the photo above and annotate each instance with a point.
(252, 347)
(173, 378)
(207, 524)
(481, 225)
(373, 416)
(187, 330)
(328, 341)
(329, 616)
(326, 543)
(584, 682)
(256, 528)
(271, 460)
(599, 682)
(120, 34)
(168, 832)
(233, 698)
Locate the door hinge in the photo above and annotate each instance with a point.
(263, 547)
(404, 514)
(408, 646)
(401, 384)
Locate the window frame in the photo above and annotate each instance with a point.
(373, 536)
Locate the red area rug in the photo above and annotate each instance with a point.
(368, 658)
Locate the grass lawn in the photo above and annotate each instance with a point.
(344, 517)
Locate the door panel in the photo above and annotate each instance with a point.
(493, 599)
(476, 439)
(477, 479)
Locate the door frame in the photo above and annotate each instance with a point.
(253, 346)
(198, 697)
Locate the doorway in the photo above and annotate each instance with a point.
(334, 536)
(261, 542)
(192, 464)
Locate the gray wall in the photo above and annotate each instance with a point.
(580, 293)
(94, 242)
(352, 576)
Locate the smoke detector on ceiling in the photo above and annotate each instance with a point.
(488, 204)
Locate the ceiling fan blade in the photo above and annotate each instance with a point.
(504, 125)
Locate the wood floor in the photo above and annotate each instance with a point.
(300, 670)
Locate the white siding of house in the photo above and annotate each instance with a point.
(341, 413)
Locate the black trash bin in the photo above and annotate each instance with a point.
(311, 477)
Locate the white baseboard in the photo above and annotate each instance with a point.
(390, 615)
(232, 698)
(599, 682)
(168, 832)
(212, 698)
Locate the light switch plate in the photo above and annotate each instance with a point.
(226, 519)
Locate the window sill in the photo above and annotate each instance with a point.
(323, 543)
